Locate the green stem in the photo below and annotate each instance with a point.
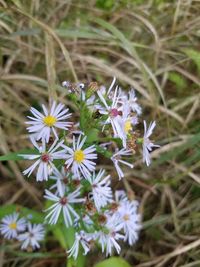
(79, 262)
(70, 263)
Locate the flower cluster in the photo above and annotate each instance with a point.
(68, 153)
(21, 229)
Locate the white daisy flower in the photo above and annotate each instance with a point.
(43, 124)
(82, 239)
(132, 101)
(147, 143)
(81, 159)
(114, 113)
(44, 162)
(120, 196)
(63, 203)
(101, 191)
(130, 220)
(128, 122)
(32, 237)
(87, 220)
(108, 239)
(61, 179)
(11, 225)
(116, 158)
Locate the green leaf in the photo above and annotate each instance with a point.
(103, 151)
(79, 33)
(66, 238)
(178, 80)
(26, 32)
(31, 255)
(88, 125)
(59, 234)
(92, 136)
(113, 262)
(194, 55)
(105, 4)
(16, 155)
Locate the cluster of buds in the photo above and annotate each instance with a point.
(68, 155)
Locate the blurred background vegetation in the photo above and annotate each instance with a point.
(150, 45)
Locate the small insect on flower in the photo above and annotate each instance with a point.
(45, 159)
(147, 143)
(81, 159)
(11, 225)
(101, 190)
(43, 124)
(63, 203)
(116, 158)
(82, 239)
(76, 88)
(32, 236)
(108, 240)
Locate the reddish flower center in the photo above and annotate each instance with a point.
(114, 206)
(114, 112)
(31, 235)
(76, 182)
(94, 185)
(66, 168)
(113, 234)
(45, 158)
(90, 207)
(102, 218)
(65, 180)
(63, 201)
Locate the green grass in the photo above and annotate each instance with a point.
(152, 46)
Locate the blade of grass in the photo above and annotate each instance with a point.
(50, 67)
(51, 32)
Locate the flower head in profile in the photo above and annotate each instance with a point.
(147, 143)
(83, 239)
(132, 101)
(44, 159)
(42, 124)
(101, 190)
(63, 204)
(32, 236)
(81, 159)
(108, 238)
(117, 159)
(12, 225)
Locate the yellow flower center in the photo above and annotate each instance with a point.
(79, 156)
(49, 120)
(126, 217)
(13, 225)
(127, 126)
